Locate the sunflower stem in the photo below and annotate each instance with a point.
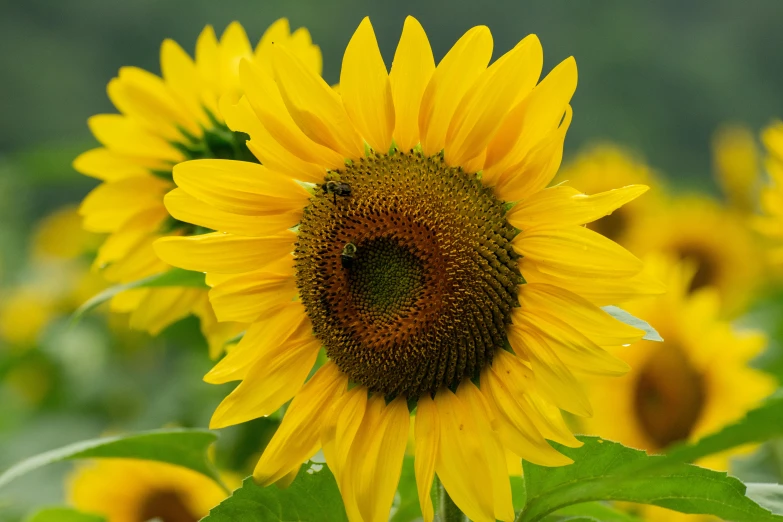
(447, 509)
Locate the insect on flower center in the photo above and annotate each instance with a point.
(406, 270)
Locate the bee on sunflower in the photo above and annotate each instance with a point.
(694, 383)
(443, 278)
(164, 121)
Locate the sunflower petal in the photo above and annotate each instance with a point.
(564, 205)
(223, 253)
(314, 106)
(125, 136)
(483, 107)
(461, 463)
(340, 428)
(106, 165)
(240, 187)
(411, 71)
(365, 88)
(163, 306)
(246, 297)
(111, 205)
(427, 439)
(575, 250)
(461, 66)
(276, 376)
(297, 438)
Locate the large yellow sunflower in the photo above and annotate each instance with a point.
(163, 121)
(381, 227)
(771, 223)
(717, 240)
(126, 490)
(694, 383)
(604, 167)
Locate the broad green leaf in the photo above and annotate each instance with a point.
(593, 510)
(313, 495)
(599, 472)
(186, 448)
(408, 508)
(173, 277)
(61, 514)
(650, 333)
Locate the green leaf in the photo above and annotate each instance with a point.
(174, 277)
(61, 514)
(650, 333)
(599, 472)
(312, 496)
(186, 448)
(408, 509)
(595, 511)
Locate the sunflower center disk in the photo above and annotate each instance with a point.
(406, 270)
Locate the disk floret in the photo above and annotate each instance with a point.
(432, 278)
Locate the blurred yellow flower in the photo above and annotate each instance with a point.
(126, 490)
(737, 167)
(604, 167)
(60, 235)
(694, 383)
(369, 232)
(24, 312)
(771, 223)
(163, 121)
(716, 240)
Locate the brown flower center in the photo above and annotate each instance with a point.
(406, 270)
(669, 396)
(707, 269)
(166, 506)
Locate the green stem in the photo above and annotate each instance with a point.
(447, 509)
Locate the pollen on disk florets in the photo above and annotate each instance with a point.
(425, 296)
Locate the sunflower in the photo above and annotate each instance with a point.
(737, 167)
(164, 121)
(693, 384)
(717, 240)
(606, 166)
(127, 490)
(403, 225)
(771, 223)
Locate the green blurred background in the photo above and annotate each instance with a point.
(658, 77)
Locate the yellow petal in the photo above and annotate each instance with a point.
(240, 117)
(110, 205)
(374, 465)
(264, 96)
(208, 66)
(182, 78)
(554, 380)
(461, 463)
(365, 88)
(411, 71)
(510, 385)
(234, 46)
(125, 136)
(427, 439)
(244, 298)
(536, 170)
(223, 253)
(184, 207)
(240, 187)
(276, 376)
(162, 307)
(480, 410)
(564, 205)
(297, 438)
(272, 330)
(340, 427)
(547, 301)
(461, 66)
(575, 250)
(314, 106)
(599, 291)
(483, 107)
(532, 119)
(106, 165)
(137, 263)
(300, 43)
(130, 236)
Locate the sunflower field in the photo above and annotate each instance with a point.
(370, 262)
